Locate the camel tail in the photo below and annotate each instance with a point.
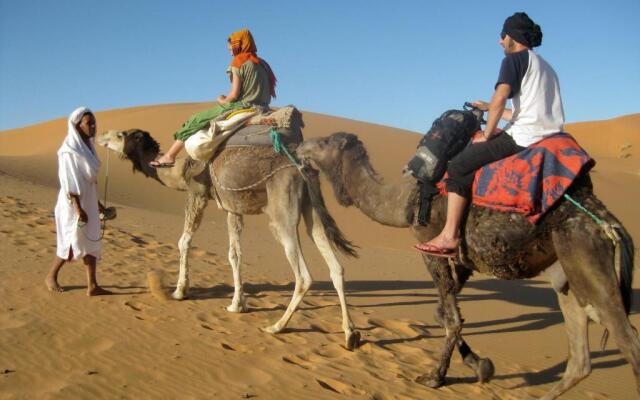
(626, 268)
(334, 234)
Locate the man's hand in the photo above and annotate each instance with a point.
(82, 215)
(221, 99)
(480, 105)
(480, 138)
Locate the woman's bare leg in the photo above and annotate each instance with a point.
(170, 156)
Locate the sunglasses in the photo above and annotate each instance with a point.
(503, 34)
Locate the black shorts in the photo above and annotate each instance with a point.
(462, 168)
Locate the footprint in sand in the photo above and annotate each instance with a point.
(135, 305)
(339, 387)
(103, 344)
(298, 361)
(235, 347)
(396, 327)
(216, 329)
(332, 351)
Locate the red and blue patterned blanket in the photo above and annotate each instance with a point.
(531, 181)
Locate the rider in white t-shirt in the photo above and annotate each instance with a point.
(532, 85)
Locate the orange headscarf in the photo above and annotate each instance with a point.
(244, 49)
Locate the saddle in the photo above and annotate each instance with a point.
(245, 127)
(529, 182)
(532, 181)
(287, 121)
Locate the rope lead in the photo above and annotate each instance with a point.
(280, 148)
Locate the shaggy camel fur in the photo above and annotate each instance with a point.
(271, 186)
(505, 246)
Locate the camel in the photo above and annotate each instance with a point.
(505, 246)
(248, 180)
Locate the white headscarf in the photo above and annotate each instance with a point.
(74, 144)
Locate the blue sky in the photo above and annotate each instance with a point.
(397, 63)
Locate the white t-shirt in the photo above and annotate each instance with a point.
(535, 95)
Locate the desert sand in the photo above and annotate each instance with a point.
(133, 345)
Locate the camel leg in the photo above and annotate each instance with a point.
(234, 225)
(314, 225)
(196, 203)
(447, 289)
(284, 213)
(579, 363)
(482, 367)
(587, 258)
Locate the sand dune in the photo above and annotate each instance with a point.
(134, 346)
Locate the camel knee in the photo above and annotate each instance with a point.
(337, 276)
(185, 242)
(234, 256)
(303, 285)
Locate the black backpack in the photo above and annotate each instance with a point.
(449, 134)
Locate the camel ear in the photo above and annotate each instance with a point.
(342, 142)
(136, 134)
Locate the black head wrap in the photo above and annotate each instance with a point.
(523, 30)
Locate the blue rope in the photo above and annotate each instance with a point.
(280, 148)
(581, 208)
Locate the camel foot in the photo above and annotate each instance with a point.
(272, 329)
(353, 340)
(483, 367)
(432, 380)
(235, 308)
(485, 370)
(179, 295)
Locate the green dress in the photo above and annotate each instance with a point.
(254, 90)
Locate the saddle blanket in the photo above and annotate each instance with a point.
(531, 181)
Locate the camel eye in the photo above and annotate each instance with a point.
(120, 135)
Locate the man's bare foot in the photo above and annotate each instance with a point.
(52, 285)
(98, 291)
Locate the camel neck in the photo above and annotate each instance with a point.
(388, 204)
(144, 167)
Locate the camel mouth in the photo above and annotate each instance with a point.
(304, 151)
(111, 139)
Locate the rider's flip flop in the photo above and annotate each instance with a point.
(436, 251)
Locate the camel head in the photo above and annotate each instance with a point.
(134, 144)
(334, 155)
(326, 151)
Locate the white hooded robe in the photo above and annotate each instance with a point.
(78, 167)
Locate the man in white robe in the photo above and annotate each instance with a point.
(77, 209)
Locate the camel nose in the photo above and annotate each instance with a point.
(102, 139)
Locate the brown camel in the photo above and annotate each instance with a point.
(248, 180)
(506, 246)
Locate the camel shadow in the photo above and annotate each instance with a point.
(550, 375)
(529, 293)
(554, 373)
